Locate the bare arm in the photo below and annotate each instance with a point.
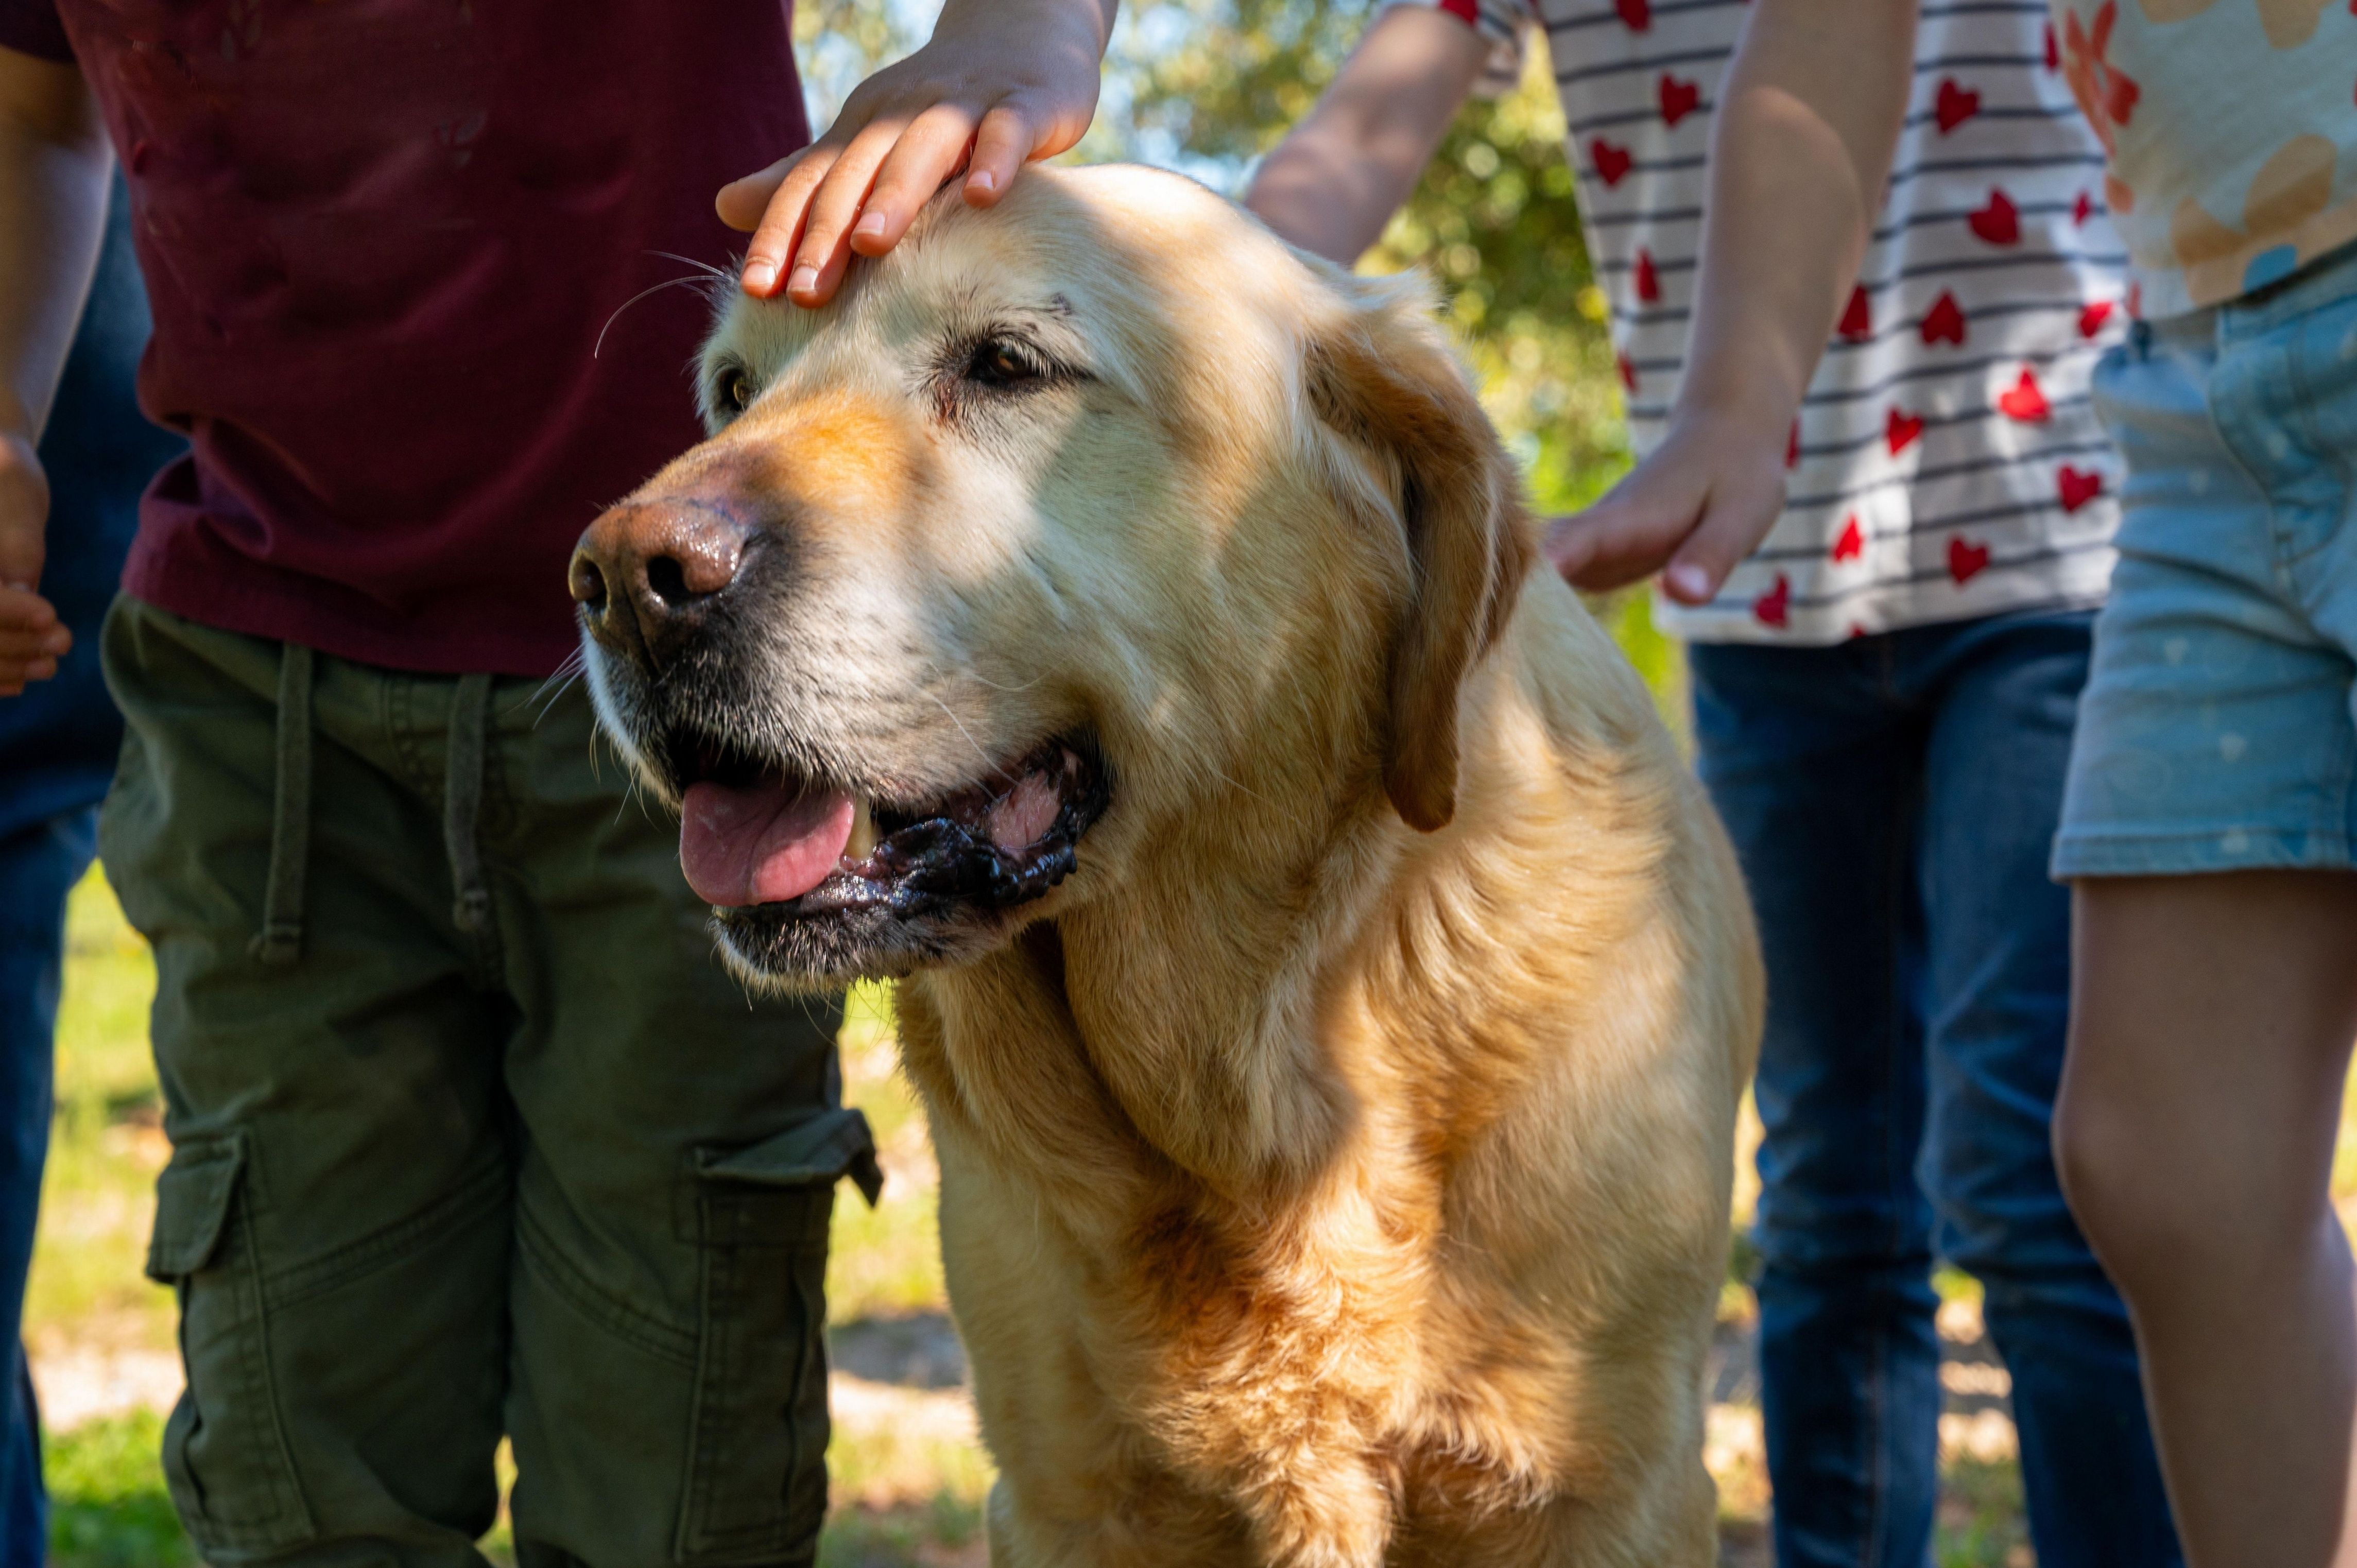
(53, 172)
(1001, 83)
(1335, 179)
(1806, 125)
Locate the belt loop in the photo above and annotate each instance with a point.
(462, 801)
(280, 940)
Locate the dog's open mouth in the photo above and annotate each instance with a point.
(758, 838)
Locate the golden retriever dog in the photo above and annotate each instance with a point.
(1330, 993)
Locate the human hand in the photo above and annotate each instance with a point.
(1692, 510)
(1001, 83)
(31, 639)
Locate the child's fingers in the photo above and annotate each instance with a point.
(24, 612)
(21, 647)
(1006, 141)
(780, 228)
(1603, 548)
(742, 202)
(926, 153)
(1631, 531)
(15, 675)
(824, 251)
(1738, 517)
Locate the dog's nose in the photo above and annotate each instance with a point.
(650, 567)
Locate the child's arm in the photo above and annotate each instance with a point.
(1335, 179)
(1000, 83)
(1807, 122)
(53, 167)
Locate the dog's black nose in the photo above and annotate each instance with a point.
(645, 571)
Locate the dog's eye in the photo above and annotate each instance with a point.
(999, 364)
(737, 392)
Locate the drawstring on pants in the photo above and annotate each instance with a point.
(280, 940)
(462, 802)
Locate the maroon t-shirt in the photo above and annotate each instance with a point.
(382, 238)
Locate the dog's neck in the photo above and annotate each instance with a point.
(1206, 1046)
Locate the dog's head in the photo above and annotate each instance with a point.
(1091, 519)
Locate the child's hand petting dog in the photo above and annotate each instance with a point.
(1692, 510)
(1001, 83)
(31, 639)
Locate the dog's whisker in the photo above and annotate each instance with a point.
(575, 666)
(658, 288)
(705, 267)
(987, 759)
(982, 679)
(553, 697)
(1236, 785)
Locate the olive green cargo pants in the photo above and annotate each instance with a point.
(472, 1133)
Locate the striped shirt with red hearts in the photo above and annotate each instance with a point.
(1946, 463)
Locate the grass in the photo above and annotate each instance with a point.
(108, 1508)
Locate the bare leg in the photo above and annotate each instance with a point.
(2212, 1023)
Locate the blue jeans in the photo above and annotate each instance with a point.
(58, 743)
(38, 866)
(1893, 800)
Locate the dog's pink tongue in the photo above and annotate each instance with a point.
(761, 845)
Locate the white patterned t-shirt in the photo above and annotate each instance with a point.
(1946, 463)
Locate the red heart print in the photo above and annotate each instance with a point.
(1775, 607)
(1965, 561)
(2053, 55)
(1900, 429)
(1648, 283)
(1945, 322)
(2091, 318)
(1679, 99)
(1627, 373)
(1793, 447)
(2025, 401)
(2077, 487)
(1852, 542)
(1611, 160)
(1638, 15)
(1856, 631)
(1955, 104)
(1858, 320)
(2000, 222)
(2082, 209)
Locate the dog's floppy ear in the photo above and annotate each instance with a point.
(1383, 377)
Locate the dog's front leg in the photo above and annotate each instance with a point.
(1318, 1513)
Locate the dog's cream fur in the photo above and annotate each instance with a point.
(1335, 1169)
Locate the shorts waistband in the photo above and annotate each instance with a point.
(2327, 280)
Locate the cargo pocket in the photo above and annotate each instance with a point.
(225, 1451)
(757, 1468)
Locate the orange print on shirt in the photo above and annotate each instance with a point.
(2106, 94)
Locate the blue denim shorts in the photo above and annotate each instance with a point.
(2218, 729)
